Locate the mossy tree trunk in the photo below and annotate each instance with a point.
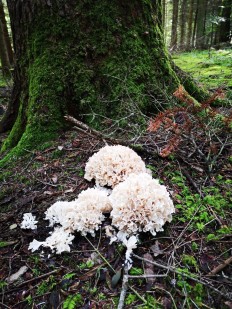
(84, 58)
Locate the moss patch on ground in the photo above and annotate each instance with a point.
(212, 69)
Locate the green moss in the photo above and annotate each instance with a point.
(211, 69)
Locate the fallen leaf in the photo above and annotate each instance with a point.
(116, 278)
(228, 304)
(16, 275)
(48, 192)
(167, 303)
(156, 249)
(56, 163)
(76, 143)
(13, 226)
(54, 178)
(69, 190)
(54, 299)
(40, 158)
(148, 269)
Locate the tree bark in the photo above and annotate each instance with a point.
(89, 59)
(200, 31)
(175, 13)
(224, 28)
(6, 34)
(190, 26)
(182, 23)
(3, 54)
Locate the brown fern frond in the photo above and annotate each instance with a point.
(171, 146)
(183, 95)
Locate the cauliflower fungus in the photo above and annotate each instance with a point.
(139, 204)
(112, 165)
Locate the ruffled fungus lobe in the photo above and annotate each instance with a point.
(112, 165)
(139, 204)
(59, 241)
(84, 214)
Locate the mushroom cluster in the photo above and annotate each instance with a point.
(136, 203)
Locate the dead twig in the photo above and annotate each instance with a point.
(186, 174)
(220, 267)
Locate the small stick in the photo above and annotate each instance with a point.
(124, 288)
(192, 182)
(38, 278)
(220, 267)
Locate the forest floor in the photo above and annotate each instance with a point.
(211, 68)
(190, 261)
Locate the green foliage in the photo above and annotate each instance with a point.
(130, 299)
(152, 303)
(136, 271)
(2, 285)
(3, 244)
(69, 276)
(224, 231)
(88, 264)
(72, 301)
(192, 291)
(189, 260)
(197, 210)
(46, 286)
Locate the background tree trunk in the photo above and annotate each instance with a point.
(182, 23)
(6, 34)
(175, 13)
(90, 59)
(5, 64)
(200, 31)
(190, 26)
(224, 28)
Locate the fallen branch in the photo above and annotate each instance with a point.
(220, 267)
(80, 126)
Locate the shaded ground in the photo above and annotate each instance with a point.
(193, 245)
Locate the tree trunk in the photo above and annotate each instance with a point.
(5, 64)
(195, 24)
(175, 11)
(217, 14)
(182, 23)
(6, 34)
(190, 26)
(224, 32)
(200, 31)
(91, 59)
